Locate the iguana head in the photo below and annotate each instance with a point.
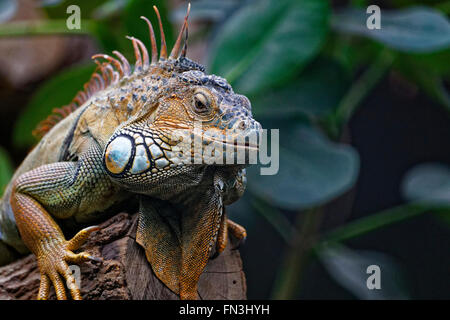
(182, 118)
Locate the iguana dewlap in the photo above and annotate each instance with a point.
(120, 137)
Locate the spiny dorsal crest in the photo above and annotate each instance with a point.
(112, 70)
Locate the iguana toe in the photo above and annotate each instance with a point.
(54, 265)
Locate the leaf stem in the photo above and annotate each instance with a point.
(276, 219)
(375, 221)
(360, 89)
(291, 269)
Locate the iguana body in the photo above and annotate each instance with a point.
(119, 140)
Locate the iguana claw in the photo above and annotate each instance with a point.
(238, 232)
(54, 262)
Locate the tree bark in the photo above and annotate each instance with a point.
(125, 272)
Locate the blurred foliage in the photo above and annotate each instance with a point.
(429, 182)
(417, 29)
(49, 96)
(349, 268)
(6, 169)
(269, 53)
(306, 67)
(313, 167)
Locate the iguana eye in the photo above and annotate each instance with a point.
(202, 104)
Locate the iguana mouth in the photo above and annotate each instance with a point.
(249, 140)
(247, 145)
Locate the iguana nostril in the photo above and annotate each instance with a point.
(118, 154)
(242, 125)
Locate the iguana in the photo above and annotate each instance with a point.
(117, 139)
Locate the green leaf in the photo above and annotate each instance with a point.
(352, 53)
(268, 42)
(315, 93)
(109, 9)
(137, 27)
(375, 221)
(358, 91)
(417, 29)
(312, 169)
(54, 93)
(349, 268)
(428, 72)
(6, 169)
(436, 62)
(428, 183)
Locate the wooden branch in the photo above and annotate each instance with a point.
(125, 272)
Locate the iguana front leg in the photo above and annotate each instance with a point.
(62, 189)
(228, 226)
(232, 188)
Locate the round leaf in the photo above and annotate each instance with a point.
(312, 170)
(417, 29)
(267, 42)
(429, 182)
(349, 268)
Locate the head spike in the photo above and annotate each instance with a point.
(125, 63)
(183, 52)
(78, 99)
(109, 73)
(176, 47)
(103, 72)
(96, 82)
(83, 96)
(152, 40)
(137, 53)
(145, 60)
(113, 61)
(116, 77)
(163, 53)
